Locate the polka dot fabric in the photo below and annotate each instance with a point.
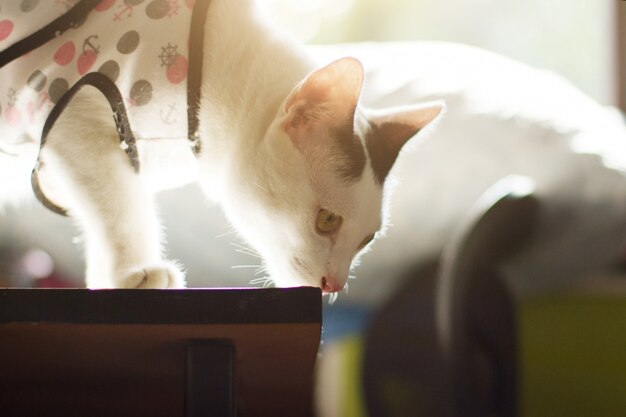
(140, 45)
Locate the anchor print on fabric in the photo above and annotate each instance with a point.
(115, 36)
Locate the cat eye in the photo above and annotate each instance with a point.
(327, 221)
(366, 241)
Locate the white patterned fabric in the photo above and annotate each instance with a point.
(140, 45)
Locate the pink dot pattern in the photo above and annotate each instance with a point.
(141, 45)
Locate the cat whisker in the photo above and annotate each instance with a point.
(357, 261)
(248, 253)
(265, 281)
(261, 280)
(244, 266)
(351, 277)
(245, 250)
(225, 234)
(240, 246)
(260, 270)
(332, 297)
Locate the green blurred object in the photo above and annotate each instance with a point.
(573, 355)
(454, 340)
(352, 354)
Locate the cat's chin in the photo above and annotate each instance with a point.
(331, 279)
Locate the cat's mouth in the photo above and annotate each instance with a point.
(330, 284)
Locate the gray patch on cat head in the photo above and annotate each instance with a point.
(382, 151)
(353, 155)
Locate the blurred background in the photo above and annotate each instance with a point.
(571, 343)
(575, 38)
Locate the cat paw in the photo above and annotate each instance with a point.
(165, 275)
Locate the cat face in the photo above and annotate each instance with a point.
(316, 199)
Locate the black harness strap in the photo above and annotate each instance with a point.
(194, 76)
(116, 101)
(72, 18)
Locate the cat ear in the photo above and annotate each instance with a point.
(391, 130)
(325, 98)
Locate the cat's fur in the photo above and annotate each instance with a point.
(280, 141)
(502, 117)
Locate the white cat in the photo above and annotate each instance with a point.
(297, 164)
(502, 117)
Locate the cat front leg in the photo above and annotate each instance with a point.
(84, 169)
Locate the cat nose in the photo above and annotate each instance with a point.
(331, 284)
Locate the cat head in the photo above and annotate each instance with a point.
(311, 198)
